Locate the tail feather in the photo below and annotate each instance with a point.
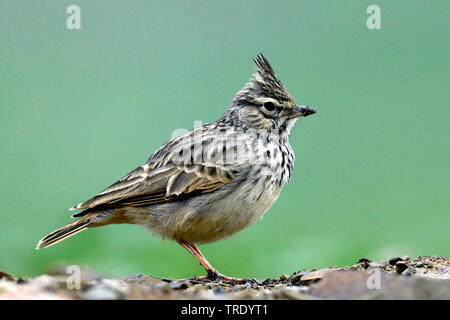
(64, 232)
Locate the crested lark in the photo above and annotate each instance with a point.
(211, 182)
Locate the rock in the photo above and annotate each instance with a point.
(408, 272)
(315, 275)
(295, 278)
(393, 261)
(354, 285)
(401, 266)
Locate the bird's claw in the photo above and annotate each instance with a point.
(214, 275)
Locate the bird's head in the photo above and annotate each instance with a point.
(264, 102)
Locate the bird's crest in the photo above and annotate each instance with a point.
(264, 83)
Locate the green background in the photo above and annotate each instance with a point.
(81, 108)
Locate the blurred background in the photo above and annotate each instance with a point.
(81, 108)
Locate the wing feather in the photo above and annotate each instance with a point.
(141, 188)
(164, 178)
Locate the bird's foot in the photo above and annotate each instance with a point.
(214, 275)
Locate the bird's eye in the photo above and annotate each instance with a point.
(269, 106)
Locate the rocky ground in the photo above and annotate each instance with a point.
(427, 277)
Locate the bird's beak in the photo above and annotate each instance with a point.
(303, 111)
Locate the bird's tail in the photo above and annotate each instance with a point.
(66, 231)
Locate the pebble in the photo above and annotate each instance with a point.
(420, 265)
(401, 266)
(393, 261)
(284, 277)
(408, 272)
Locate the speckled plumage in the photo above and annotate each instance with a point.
(211, 182)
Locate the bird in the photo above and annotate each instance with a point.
(209, 183)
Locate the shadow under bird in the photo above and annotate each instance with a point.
(211, 182)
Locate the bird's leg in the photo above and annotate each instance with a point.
(213, 274)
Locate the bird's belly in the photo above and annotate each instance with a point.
(225, 217)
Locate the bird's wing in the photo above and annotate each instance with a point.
(184, 166)
(144, 185)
